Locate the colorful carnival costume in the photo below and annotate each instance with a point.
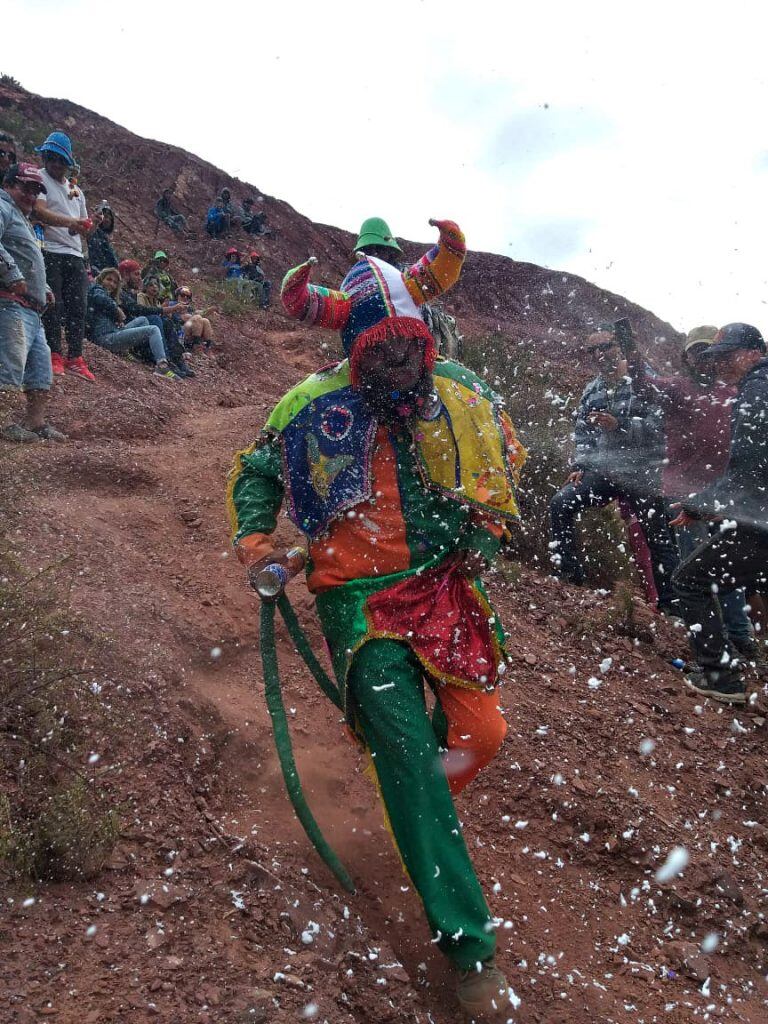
(389, 510)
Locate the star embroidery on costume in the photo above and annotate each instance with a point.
(323, 469)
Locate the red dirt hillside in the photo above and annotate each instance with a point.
(213, 907)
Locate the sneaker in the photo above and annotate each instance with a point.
(164, 370)
(79, 367)
(49, 433)
(181, 369)
(58, 365)
(19, 434)
(727, 687)
(483, 995)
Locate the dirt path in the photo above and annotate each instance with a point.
(567, 827)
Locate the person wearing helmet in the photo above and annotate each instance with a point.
(375, 239)
(231, 264)
(157, 270)
(64, 261)
(697, 434)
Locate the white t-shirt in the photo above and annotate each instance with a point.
(63, 198)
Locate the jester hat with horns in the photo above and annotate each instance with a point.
(377, 301)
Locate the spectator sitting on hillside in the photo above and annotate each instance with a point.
(216, 220)
(253, 223)
(196, 326)
(130, 277)
(228, 208)
(252, 271)
(231, 264)
(157, 270)
(100, 252)
(165, 212)
(107, 326)
(25, 359)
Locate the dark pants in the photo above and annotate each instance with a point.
(595, 491)
(731, 558)
(68, 281)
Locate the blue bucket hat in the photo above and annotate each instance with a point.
(60, 144)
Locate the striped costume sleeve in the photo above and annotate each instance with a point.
(254, 495)
(439, 269)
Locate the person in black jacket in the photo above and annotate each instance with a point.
(737, 554)
(619, 446)
(100, 252)
(128, 300)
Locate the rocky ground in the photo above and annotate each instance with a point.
(214, 908)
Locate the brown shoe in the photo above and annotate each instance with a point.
(484, 995)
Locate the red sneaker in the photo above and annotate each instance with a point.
(57, 363)
(79, 367)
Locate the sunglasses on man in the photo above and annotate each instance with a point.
(8, 154)
(604, 346)
(30, 188)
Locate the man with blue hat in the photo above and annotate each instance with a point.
(736, 555)
(64, 263)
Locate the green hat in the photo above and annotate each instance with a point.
(375, 231)
(160, 255)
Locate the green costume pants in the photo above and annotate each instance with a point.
(386, 689)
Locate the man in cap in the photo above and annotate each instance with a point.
(25, 359)
(736, 555)
(64, 263)
(619, 446)
(400, 471)
(697, 432)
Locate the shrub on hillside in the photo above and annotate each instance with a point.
(54, 823)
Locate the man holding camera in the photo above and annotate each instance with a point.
(619, 445)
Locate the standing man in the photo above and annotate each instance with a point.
(697, 433)
(64, 262)
(400, 471)
(25, 359)
(736, 555)
(619, 446)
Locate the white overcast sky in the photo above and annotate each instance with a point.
(626, 143)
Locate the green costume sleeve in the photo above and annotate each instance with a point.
(255, 491)
(477, 538)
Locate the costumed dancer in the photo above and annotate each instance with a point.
(401, 470)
